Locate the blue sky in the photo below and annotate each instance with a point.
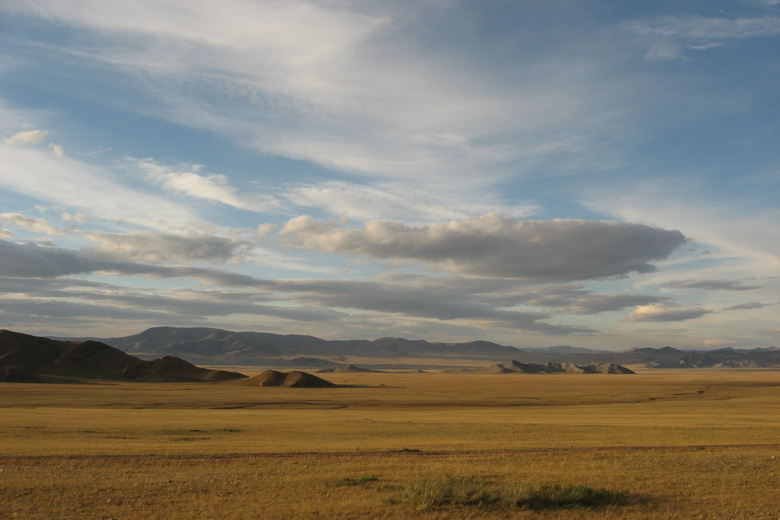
(599, 174)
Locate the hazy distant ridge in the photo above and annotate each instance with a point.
(208, 345)
(235, 346)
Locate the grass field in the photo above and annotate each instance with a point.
(676, 444)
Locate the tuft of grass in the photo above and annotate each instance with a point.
(473, 492)
(360, 481)
(450, 490)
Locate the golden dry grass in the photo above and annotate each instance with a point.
(694, 444)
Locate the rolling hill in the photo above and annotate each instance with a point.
(294, 379)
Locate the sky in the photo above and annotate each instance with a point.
(533, 173)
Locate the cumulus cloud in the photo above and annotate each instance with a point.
(36, 225)
(150, 246)
(498, 246)
(665, 313)
(710, 285)
(26, 137)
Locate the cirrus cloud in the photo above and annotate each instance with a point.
(188, 180)
(670, 36)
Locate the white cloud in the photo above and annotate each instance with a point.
(263, 230)
(148, 246)
(348, 85)
(700, 28)
(30, 260)
(80, 218)
(710, 285)
(36, 225)
(26, 137)
(496, 246)
(213, 187)
(396, 201)
(36, 261)
(746, 306)
(670, 36)
(733, 229)
(57, 150)
(70, 183)
(410, 301)
(665, 312)
(302, 300)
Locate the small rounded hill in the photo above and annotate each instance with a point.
(293, 379)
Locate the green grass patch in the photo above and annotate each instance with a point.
(473, 492)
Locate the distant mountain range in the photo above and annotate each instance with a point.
(33, 359)
(215, 346)
(221, 347)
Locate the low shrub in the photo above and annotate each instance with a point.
(473, 492)
(547, 496)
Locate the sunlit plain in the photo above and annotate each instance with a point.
(681, 444)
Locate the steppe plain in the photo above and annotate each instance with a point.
(676, 444)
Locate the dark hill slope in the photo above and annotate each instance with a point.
(25, 358)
